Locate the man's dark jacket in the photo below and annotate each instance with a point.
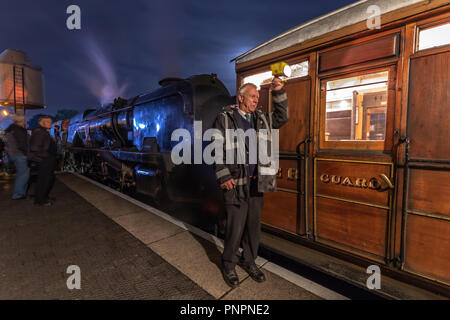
(41, 145)
(263, 121)
(17, 140)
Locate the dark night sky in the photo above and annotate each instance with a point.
(131, 45)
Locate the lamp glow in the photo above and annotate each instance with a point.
(281, 69)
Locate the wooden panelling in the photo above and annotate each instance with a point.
(289, 175)
(428, 189)
(428, 107)
(349, 189)
(263, 98)
(357, 226)
(280, 210)
(294, 131)
(397, 214)
(427, 243)
(385, 47)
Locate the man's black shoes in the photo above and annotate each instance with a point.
(254, 272)
(230, 277)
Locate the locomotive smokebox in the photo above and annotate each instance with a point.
(21, 82)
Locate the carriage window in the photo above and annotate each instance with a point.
(299, 70)
(259, 79)
(434, 37)
(356, 108)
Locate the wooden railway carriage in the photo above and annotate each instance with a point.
(365, 158)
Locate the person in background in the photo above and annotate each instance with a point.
(64, 145)
(42, 154)
(57, 136)
(17, 148)
(2, 157)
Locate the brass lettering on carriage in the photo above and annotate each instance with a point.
(364, 183)
(292, 174)
(280, 173)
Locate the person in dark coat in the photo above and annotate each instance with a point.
(2, 156)
(42, 154)
(243, 184)
(17, 148)
(63, 142)
(2, 145)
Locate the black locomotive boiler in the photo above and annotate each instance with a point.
(128, 144)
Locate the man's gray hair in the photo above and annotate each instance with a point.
(244, 87)
(17, 117)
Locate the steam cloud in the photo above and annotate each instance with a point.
(98, 75)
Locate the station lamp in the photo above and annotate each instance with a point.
(281, 69)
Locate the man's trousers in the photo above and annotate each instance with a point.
(243, 228)
(45, 179)
(22, 176)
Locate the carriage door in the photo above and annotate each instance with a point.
(425, 243)
(285, 209)
(353, 175)
(353, 164)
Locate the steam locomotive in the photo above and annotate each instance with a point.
(128, 144)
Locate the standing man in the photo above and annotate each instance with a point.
(63, 143)
(43, 155)
(17, 148)
(243, 184)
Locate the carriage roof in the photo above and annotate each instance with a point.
(333, 21)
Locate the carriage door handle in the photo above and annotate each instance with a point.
(387, 181)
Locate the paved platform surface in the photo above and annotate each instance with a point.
(124, 252)
(37, 244)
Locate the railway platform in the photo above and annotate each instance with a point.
(128, 250)
(123, 251)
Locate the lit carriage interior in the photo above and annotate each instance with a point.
(365, 156)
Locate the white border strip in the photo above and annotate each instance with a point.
(290, 276)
